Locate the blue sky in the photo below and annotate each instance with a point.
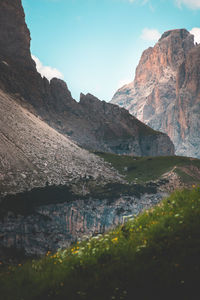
(95, 45)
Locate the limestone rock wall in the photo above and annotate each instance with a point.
(57, 226)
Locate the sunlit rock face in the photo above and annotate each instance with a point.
(57, 226)
(165, 91)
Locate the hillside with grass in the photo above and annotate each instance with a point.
(143, 169)
(153, 255)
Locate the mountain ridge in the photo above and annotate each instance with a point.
(52, 101)
(34, 154)
(165, 92)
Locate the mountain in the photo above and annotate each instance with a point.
(35, 155)
(165, 93)
(52, 190)
(93, 124)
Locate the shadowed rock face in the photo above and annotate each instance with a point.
(15, 36)
(165, 91)
(93, 124)
(57, 226)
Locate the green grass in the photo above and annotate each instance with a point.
(186, 178)
(143, 169)
(154, 256)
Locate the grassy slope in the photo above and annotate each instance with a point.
(155, 256)
(149, 168)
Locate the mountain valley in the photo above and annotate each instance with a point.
(75, 174)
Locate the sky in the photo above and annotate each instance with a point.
(95, 45)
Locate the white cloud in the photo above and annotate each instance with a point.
(196, 32)
(193, 4)
(46, 71)
(150, 34)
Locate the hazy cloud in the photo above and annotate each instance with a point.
(193, 4)
(123, 82)
(150, 34)
(46, 71)
(196, 32)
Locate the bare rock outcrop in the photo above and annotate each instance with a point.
(165, 91)
(58, 225)
(91, 123)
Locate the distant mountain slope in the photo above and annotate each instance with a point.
(32, 154)
(165, 93)
(91, 123)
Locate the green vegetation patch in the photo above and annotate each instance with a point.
(185, 177)
(154, 256)
(143, 169)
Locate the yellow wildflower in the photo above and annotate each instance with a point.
(115, 240)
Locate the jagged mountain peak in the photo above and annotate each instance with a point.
(182, 33)
(164, 58)
(165, 91)
(88, 98)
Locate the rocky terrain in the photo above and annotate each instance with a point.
(165, 92)
(32, 154)
(59, 191)
(50, 218)
(92, 123)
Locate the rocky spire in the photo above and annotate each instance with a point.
(165, 93)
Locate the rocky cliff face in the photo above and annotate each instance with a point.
(188, 102)
(91, 123)
(57, 226)
(15, 36)
(165, 91)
